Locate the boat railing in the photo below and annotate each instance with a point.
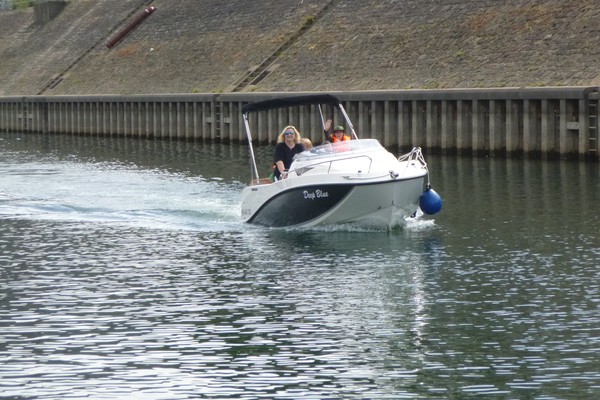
(415, 155)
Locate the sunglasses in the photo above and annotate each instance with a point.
(290, 133)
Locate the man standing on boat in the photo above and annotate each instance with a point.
(288, 145)
(338, 135)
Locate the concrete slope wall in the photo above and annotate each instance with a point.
(190, 46)
(446, 44)
(31, 55)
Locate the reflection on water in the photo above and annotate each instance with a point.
(126, 273)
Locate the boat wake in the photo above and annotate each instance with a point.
(419, 222)
(113, 193)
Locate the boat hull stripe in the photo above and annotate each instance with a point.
(300, 205)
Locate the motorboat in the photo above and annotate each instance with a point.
(355, 182)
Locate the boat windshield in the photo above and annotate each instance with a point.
(327, 149)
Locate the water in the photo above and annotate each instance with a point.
(127, 274)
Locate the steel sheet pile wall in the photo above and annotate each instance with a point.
(163, 117)
(547, 122)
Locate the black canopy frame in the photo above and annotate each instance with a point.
(285, 102)
(292, 101)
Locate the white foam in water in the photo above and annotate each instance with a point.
(115, 193)
(419, 222)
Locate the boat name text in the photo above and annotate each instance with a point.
(317, 194)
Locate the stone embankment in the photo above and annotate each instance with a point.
(188, 46)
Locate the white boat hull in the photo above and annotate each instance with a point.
(381, 197)
(379, 205)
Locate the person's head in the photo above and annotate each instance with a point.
(289, 133)
(306, 143)
(339, 131)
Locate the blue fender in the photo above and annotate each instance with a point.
(430, 202)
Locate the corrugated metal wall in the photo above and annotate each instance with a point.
(557, 122)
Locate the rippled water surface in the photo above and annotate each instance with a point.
(126, 273)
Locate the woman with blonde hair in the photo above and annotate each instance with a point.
(306, 143)
(288, 145)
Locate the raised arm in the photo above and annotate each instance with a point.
(327, 129)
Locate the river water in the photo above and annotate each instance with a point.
(127, 274)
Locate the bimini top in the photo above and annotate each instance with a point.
(281, 102)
